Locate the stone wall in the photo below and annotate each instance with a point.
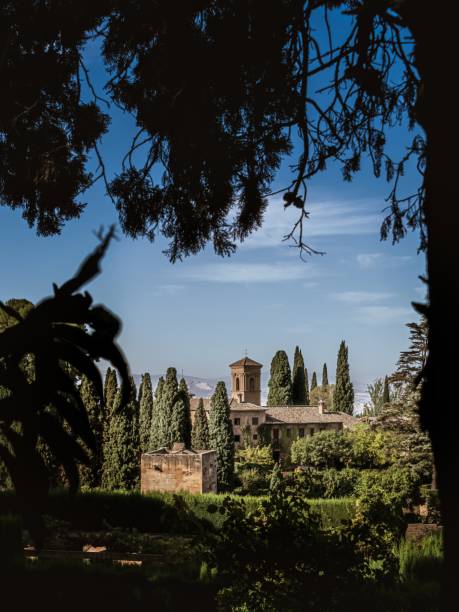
(173, 472)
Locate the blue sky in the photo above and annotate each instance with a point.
(201, 314)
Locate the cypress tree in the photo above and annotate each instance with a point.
(280, 382)
(200, 432)
(163, 415)
(298, 379)
(122, 448)
(313, 381)
(146, 412)
(221, 436)
(324, 377)
(306, 387)
(91, 475)
(154, 428)
(386, 392)
(180, 424)
(343, 398)
(110, 389)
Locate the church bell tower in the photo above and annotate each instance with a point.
(246, 381)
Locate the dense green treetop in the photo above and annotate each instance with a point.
(306, 387)
(200, 431)
(313, 381)
(280, 382)
(146, 412)
(110, 389)
(298, 379)
(91, 475)
(122, 448)
(343, 398)
(324, 377)
(221, 436)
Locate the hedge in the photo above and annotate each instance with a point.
(183, 513)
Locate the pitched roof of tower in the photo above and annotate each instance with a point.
(245, 361)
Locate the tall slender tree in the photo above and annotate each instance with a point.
(343, 398)
(91, 475)
(146, 412)
(324, 377)
(180, 423)
(110, 389)
(200, 431)
(306, 387)
(122, 448)
(298, 379)
(155, 420)
(313, 381)
(280, 382)
(221, 436)
(386, 391)
(169, 394)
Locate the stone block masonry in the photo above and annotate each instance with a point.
(171, 471)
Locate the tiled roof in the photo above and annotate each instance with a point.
(246, 361)
(306, 414)
(234, 404)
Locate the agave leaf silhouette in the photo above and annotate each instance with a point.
(40, 396)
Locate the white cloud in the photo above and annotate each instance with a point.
(168, 289)
(382, 314)
(361, 297)
(369, 260)
(332, 218)
(232, 272)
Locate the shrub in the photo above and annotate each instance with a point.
(327, 449)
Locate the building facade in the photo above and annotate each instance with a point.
(254, 424)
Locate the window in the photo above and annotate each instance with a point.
(275, 434)
(237, 383)
(255, 436)
(312, 431)
(237, 438)
(237, 421)
(288, 433)
(252, 384)
(301, 432)
(254, 420)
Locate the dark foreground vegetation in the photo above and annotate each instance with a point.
(278, 552)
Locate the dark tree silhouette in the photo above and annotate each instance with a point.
(61, 331)
(214, 125)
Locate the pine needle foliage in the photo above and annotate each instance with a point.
(306, 387)
(313, 381)
(324, 377)
(200, 432)
(166, 404)
(91, 475)
(146, 411)
(110, 389)
(221, 436)
(298, 379)
(122, 447)
(155, 420)
(343, 398)
(280, 382)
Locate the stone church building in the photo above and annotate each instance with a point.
(279, 424)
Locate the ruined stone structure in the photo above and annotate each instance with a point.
(179, 469)
(281, 424)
